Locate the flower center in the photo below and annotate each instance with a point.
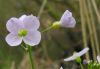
(22, 32)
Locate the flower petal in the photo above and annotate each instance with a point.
(30, 22)
(61, 67)
(69, 58)
(13, 39)
(33, 38)
(98, 59)
(75, 55)
(67, 13)
(13, 25)
(85, 50)
(67, 20)
(22, 17)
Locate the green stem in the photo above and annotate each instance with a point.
(93, 27)
(96, 9)
(42, 7)
(30, 57)
(81, 66)
(83, 24)
(86, 13)
(25, 48)
(46, 29)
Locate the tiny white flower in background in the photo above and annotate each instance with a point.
(76, 55)
(61, 67)
(24, 29)
(67, 20)
(98, 59)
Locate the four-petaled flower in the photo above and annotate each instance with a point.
(76, 55)
(67, 20)
(24, 29)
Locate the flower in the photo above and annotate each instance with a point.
(76, 55)
(61, 67)
(98, 59)
(24, 29)
(67, 21)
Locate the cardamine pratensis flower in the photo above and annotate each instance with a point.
(67, 21)
(24, 29)
(98, 59)
(77, 55)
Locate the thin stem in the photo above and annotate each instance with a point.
(90, 29)
(42, 7)
(25, 48)
(96, 9)
(39, 14)
(46, 29)
(45, 52)
(81, 66)
(94, 27)
(30, 57)
(44, 44)
(83, 27)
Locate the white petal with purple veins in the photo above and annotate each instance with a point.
(13, 39)
(31, 22)
(32, 38)
(13, 25)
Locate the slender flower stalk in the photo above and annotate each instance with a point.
(30, 57)
(42, 8)
(81, 65)
(45, 30)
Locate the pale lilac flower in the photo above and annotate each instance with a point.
(61, 67)
(98, 59)
(24, 29)
(76, 55)
(67, 20)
